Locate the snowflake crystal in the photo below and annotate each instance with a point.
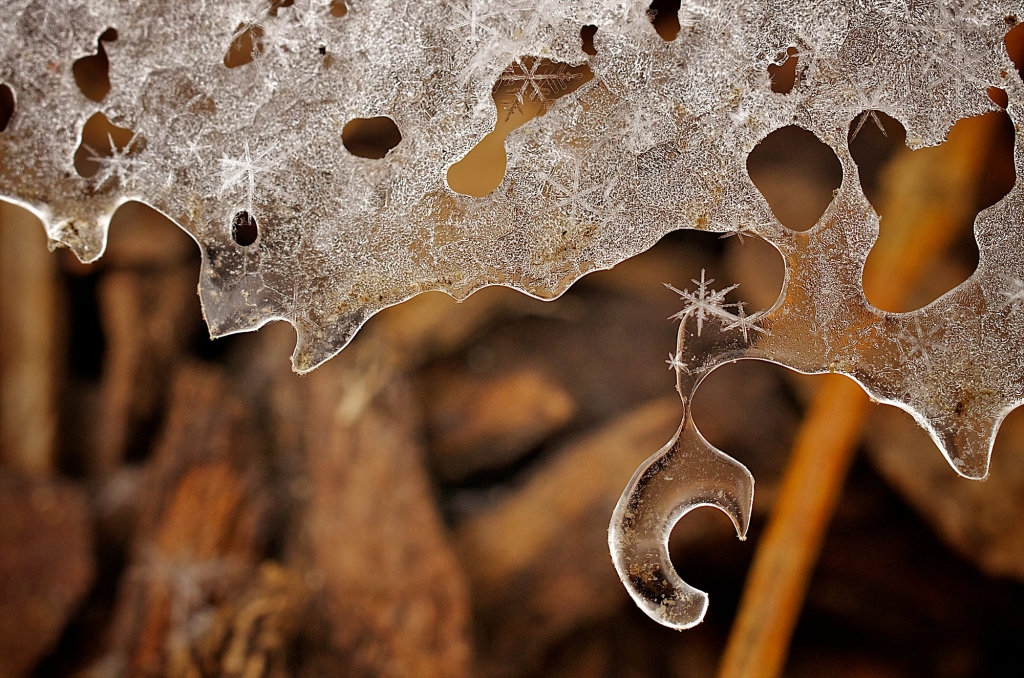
(703, 302)
(1014, 296)
(119, 166)
(675, 362)
(917, 343)
(744, 323)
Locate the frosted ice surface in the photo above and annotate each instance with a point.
(655, 141)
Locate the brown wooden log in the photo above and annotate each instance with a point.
(538, 561)
(46, 566)
(478, 423)
(389, 588)
(150, 316)
(200, 534)
(30, 344)
(390, 598)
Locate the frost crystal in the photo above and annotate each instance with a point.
(242, 106)
(242, 171)
(919, 343)
(534, 85)
(118, 166)
(703, 302)
(675, 361)
(744, 323)
(1014, 295)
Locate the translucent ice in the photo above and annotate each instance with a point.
(232, 115)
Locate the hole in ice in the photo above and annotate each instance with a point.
(338, 8)
(758, 268)
(748, 410)
(707, 555)
(749, 261)
(6, 106)
(246, 46)
(587, 34)
(999, 97)
(783, 75)
(92, 73)
(102, 139)
(733, 294)
(530, 86)
(797, 173)
(944, 186)
(370, 137)
(524, 91)
(664, 16)
(244, 229)
(872, 147)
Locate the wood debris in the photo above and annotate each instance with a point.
(386, 580)
(46, 566)
(538, 561)
(147, 298)
(200, 533)
(30, 344)
(476, 424)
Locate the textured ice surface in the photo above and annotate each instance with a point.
(655, 141)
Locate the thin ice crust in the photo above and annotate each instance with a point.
(655, 141)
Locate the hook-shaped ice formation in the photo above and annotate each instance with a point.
(687, 473)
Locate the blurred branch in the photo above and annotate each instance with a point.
(28, 344)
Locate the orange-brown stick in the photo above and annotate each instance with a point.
(923, 228)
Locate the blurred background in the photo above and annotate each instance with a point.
(434, 501)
